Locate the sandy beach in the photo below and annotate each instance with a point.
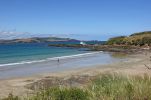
(52, 65)
(23, 86)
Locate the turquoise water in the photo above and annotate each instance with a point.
(24, 59)
(21, 52)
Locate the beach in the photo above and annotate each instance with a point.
(21, 85)
(56, 64)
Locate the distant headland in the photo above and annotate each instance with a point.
(36, 40)
(133, 43)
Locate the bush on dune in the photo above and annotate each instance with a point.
(58, 93)
(11, 97)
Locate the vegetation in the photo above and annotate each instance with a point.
(11, 97)
(115, 87)
(140, 39)
(116, 40)
(103, 87)
(62, 93)
(141, 33)
(36, 40)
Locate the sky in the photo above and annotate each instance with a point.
(80, 19)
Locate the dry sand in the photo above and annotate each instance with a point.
(134, 65)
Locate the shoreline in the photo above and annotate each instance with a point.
(134, 65)
(52, 65)
(49, 59)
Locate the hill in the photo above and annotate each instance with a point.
(141, 38)
(36, 40)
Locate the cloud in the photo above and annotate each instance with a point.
(7, 35)
(12, 34)
(15, 35)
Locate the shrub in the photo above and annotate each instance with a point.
(141, 33)
(116, 40)
(11, 97)
(62, 94)
(141, 39)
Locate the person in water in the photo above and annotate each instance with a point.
(58, 60)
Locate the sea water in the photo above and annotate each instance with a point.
(32, 52)
(26, 59)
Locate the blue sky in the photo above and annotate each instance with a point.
(81, 19)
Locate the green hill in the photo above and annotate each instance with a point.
(141, 38)
(36, 40)
(141, 33)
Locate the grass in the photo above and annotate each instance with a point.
(62, 94)
(115, 87)
(103, 87)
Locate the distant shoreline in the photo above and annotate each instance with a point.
(107, 48)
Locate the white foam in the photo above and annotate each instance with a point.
(49, 59)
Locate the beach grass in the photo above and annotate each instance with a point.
(103, 87)
(62, 93)
(118, 87)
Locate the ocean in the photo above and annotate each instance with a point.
(27, 59)
(29, 52)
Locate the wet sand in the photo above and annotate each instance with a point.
(86, 60)
(132, 65)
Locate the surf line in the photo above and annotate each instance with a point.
(49, 59)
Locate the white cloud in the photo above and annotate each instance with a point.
(15, 35)
(10, 34)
